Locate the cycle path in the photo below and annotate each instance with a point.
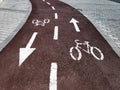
(39, 57)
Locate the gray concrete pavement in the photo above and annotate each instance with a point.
(13, 14)
(105, 15)
(1, 1)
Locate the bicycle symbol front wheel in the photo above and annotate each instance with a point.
(46, 20)
(78, 51)
(94, 55)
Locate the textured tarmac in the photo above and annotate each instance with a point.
(88, 73)
(104, 15)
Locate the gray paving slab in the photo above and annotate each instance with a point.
(1, 1)
(105, 16)
(13, 15)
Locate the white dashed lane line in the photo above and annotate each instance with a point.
(48, 3)
(53, 77)
(55, 33)
(56, 15)
(53, 8)
(56, 28)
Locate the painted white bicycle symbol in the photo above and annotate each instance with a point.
(37, 22)
(90, 50)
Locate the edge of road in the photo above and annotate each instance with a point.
(17, 29)
(105, 36)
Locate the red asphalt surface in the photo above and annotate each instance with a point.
(34, 74)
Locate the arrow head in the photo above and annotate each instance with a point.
(74, 21)
(24, 53)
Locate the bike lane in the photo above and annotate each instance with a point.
(52, 45)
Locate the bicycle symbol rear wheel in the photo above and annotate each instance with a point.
(36, 22)
(78, 51)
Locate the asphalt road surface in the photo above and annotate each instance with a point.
(58, 49)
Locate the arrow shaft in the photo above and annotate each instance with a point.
(32, 40)
(76, 27)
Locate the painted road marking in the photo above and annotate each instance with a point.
(55, 33)
(37, 22)
(24, 53)
(90, 50)
(43, 0)
(55, 37)
(48, 3)
(53, 8)
(53, 77)
(32, 40)
(74, 21)
(56, 15)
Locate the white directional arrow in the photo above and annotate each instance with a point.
(74, 21)
(24, 53)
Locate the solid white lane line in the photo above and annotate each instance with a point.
(53, 8)
(48, 3)
(55, 33)
(56, 15)
(53, 77)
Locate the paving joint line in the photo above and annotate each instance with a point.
(13, 10)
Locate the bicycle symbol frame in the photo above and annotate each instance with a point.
(89, 51)
(37, 22)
